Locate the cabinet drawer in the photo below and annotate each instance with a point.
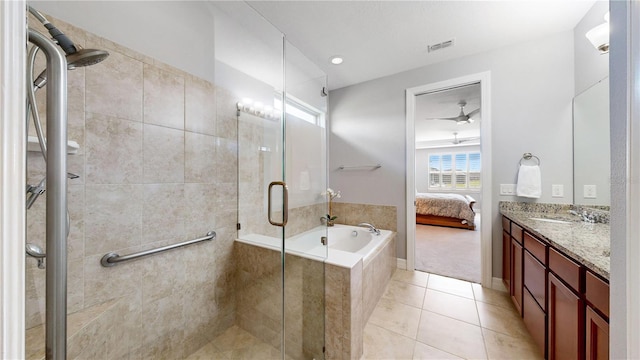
(534, 279)
(516, 232)
(536, 247)
(506, 224)
(566, 269)
(534, 319)
(597, 293)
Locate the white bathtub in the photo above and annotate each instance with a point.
(347, 244)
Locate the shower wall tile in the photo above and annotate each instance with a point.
(163, 155)
(107, 283)
(163, 98)
(226, 114)
(200, 158)
(158, 280)
(226, 160)
(113, 217)
(75, 240)
(158, 164)
(114, 87)
(114, 150)
(162, 212)
(200, 106)
(199, 209)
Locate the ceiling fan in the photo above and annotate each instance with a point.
(457, 141)
(462, 118)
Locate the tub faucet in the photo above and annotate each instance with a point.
(371, 228)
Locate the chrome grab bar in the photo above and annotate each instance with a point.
(360, 167)
(285, 203)
(112, 259)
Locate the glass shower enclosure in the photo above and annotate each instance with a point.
(214, 131)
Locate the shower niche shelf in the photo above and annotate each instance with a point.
(34, 145)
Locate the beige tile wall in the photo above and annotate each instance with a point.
(259, 299)
(157, 165)
(381, 216)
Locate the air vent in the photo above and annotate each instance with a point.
(442, 45)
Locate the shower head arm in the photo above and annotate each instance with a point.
(63, 41)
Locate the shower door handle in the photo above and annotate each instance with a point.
(285, 203)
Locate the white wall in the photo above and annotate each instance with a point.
(532, 89)
(157, 29)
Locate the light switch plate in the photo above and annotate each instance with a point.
(589, 192)
(557, 190)
(507, 189)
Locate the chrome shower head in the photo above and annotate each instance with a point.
(85, 57)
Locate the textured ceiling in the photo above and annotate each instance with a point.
(380, 38)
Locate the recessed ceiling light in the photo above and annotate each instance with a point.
(336, 60)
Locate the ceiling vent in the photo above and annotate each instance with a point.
(442, 45)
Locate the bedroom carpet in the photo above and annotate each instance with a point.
(448, 251)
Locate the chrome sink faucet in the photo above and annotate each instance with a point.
(371, 228)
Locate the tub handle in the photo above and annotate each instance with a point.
(285, 203)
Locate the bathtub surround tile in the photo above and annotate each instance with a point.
(381, 216)
(451, 335)
(113, 217)
(114, 87)
(200, 106)
(200, 158)
(163, 98)
(114, 150)
(163, 155)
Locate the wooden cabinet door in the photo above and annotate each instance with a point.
(597, 346)
(565, 322)
(516, 275)
(506, 259)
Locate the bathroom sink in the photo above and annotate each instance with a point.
(551, 220)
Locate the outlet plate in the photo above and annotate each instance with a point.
(557, 190)
(589, 192)
(507, 189)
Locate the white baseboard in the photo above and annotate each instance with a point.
(497, 284)
(402, 264)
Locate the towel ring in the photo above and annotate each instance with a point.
(528, 156)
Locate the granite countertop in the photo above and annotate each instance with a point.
(587, 243)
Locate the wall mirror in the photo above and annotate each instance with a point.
(591, 146)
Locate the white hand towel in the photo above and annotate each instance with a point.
(529, 181)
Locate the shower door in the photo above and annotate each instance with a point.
(281, 144)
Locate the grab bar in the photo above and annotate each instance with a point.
(112, 259)
(356, 167)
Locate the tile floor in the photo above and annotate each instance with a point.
(427, 316)
(420, 316)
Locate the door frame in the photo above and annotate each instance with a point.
(484, 78)
(12, 178)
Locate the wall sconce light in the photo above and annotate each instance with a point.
(599, 36)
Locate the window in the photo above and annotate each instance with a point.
(300, 110)
(459, 171)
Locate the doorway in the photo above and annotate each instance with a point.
(438, 175)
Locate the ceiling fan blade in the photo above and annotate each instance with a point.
(474, 113)
(451, 118)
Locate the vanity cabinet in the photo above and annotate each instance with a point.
(563, 304)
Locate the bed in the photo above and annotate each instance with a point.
(440, 209)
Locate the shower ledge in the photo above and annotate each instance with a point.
(78, 329)
(34, 145)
